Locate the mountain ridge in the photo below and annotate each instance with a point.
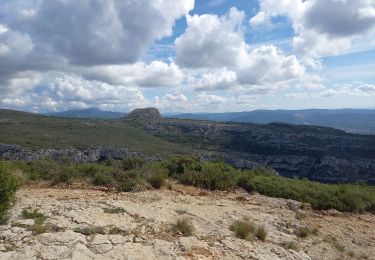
(350, 120)
(92, 112)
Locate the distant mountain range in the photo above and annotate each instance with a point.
(92, 113)
(350, 120)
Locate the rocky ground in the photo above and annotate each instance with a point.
(82, 223)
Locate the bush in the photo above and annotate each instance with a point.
(261, 233)
(304, 232)
(243, 229)
(127, 181)
(245, 182)
(290, 245)
(155, 174)
(101, 178)
(184, 226)
(8, 187)
(179, 165)
(212, 176)
(87, 231)
(116, 210)
(343, 197)
(132, 163)
(247, 230)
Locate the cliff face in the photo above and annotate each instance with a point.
(317, 153)
(18, 153)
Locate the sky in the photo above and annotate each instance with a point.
(186, 55)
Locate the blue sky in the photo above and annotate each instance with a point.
(186, 55)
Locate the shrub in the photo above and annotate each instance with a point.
(212, 176)
(39, 218)
(184, 226)
(8, 187)
(304, 232)
(155, 174)
(38, 228)
(132, 163)
(157, 181)
(243, 229)
(118, 231)
(90, 230)
(179, 165)
(245, 181)
(128, 180)
(35, 214)
(116, 210)
(290, 245)
(101, 178)
(261, 233)
(333, 240)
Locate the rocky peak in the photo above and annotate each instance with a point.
(144, 113)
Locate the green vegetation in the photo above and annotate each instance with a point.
(35, 131)
(87, 231)
(116, 210)
(290, 245)
(191, 170)
(333, 240)
(117, 231)
(135, 174)
(8, 187)
(35, 214)
(304, 232)
(343, 197)
(245, 229)
(184, 226)
(261, 233)
(39, 218)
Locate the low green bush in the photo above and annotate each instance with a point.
(8, 187)
(243, 229)
(102, 178)
(184, 226)
(125, 175)
(155, 174)
(132, 163)
(211, 175)
(127, 181)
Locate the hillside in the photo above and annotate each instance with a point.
(36, 131)
(92, 113)
(313, 152)
(350, 120)
(316, 153)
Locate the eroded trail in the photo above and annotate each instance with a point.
(93, 224)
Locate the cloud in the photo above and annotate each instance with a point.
(340, 18)
(99, 40)
(321, 27)
(155, 74)
(59, 91)
(94, 32)
(356, 89)
(217, 43)
(211, 41)
(211, 99)
(266, 64)
(215, 79)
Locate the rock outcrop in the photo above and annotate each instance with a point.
(79, 226)
(144, 113)
(317, 153)
(18, 153)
